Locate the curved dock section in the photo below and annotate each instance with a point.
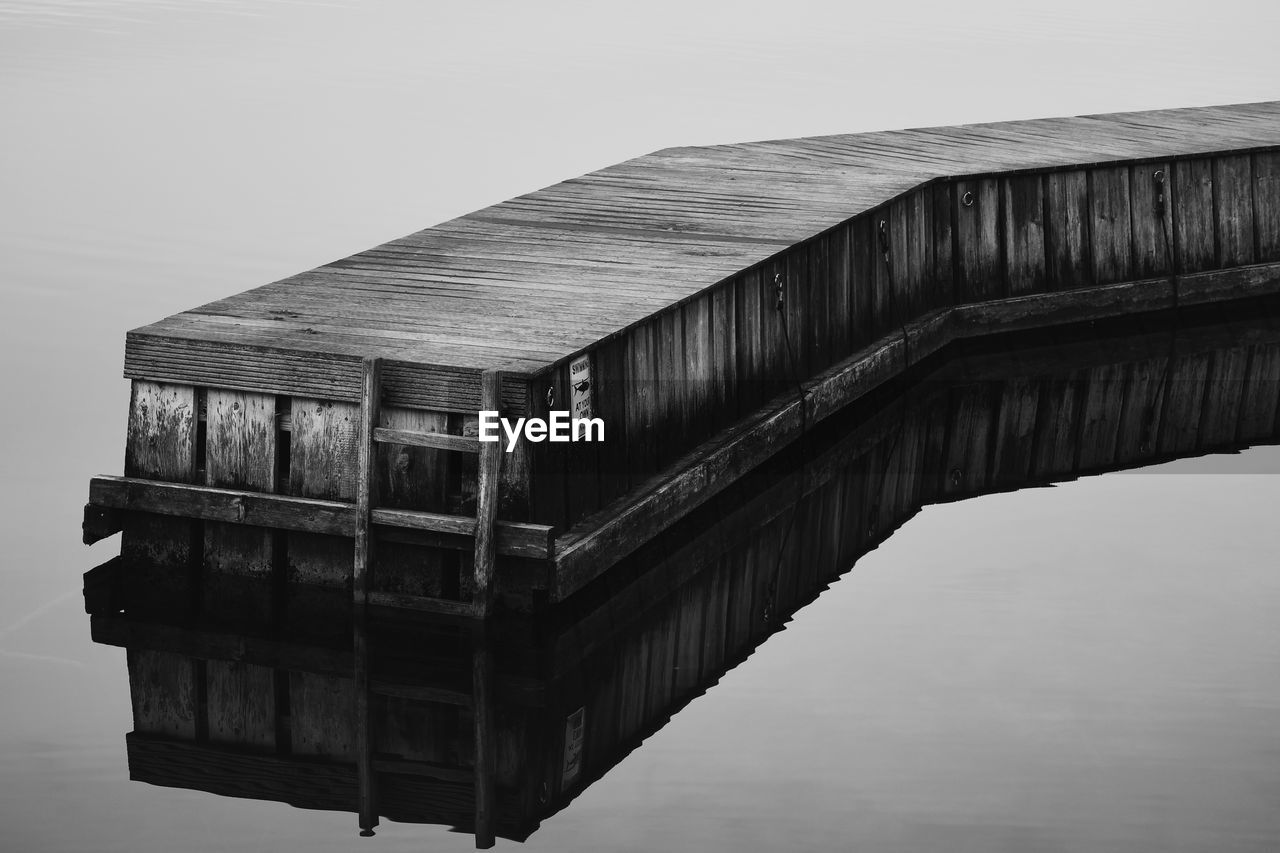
(710, 304)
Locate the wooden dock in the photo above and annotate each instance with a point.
(725, 299)
(424, 719)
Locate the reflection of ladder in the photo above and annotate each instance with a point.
(479, 699)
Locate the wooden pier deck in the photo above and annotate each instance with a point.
(725, 299)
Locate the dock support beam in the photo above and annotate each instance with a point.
(369, 402)
(489, 476)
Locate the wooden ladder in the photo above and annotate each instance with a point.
(481, 696)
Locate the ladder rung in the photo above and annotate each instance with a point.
(438, 440)
(408, 767)
(420, 692)
(440, 606)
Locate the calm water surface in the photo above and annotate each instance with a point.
(1090, 667)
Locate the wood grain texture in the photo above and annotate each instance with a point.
(1233, 210)
(1023, 209)
(240, 453)
(1068, 252)
(1111, 227)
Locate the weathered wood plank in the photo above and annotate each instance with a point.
(1068, 249)
(163, 691)
(1110, 228)
(241, 704)
(1023, 214)
(160, 554)
(1266, 204)
(1193, 231)
(1233, 210)
(1152, 217)
(239, 560)
(978, 258)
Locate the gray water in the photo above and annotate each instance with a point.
(1090, 667)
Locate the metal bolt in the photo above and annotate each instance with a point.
(967, 199)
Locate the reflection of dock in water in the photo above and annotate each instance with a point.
(492, 726)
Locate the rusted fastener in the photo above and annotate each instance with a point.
(967, 199)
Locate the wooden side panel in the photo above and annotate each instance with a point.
(322, 464)
(1057, 427)
(1143, 403)
(691, 610)
(241, 704)
(1015, 432)
(320, 716)
(715, 619)
(840, 294)
(642, 423)
(699, 362)
(750, 340)
(884, 293)
(548, 468)
(1183, 404)
(782, 343)
(978, 261)
(724, 355)
(670, 367)
(1233, 210)
(161, 442)
(798, 283)
(1068, 256)
(322, 449)
(1260, 396)
(421, 731)
(863, 260)
(1023, 208)
(240, 453)
(1266, 204)
(1111, 228)
(1193, 215)
(1099, 417)
(157, 552)
(968, 453)
(817, 270)
(1152, 217)
(1224, 384)
(609, 395)
(163, 689)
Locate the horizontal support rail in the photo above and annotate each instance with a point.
(286, 512)
(437, 440)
